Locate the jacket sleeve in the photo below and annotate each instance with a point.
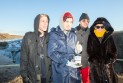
(112, 51)
(53, 52)
(24, 58)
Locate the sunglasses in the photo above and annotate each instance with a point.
(99, 27)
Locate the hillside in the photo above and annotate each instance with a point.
(8, 36)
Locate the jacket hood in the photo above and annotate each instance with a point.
(61, 23)
(107, 25)
(36, 24)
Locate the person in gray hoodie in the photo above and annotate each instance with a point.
(35, 66)
(82, 32)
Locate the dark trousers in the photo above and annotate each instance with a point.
(43, 80)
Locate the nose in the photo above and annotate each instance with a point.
(86, 22)
(46, 23)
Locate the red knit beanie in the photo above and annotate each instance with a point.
(67, 15)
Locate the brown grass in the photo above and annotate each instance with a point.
(16, 80)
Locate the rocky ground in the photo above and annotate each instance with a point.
(9, 72)
(120, 78)
(10, 75)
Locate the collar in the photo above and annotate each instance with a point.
(81, 28)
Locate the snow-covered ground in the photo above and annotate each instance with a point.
(12, 50)
(9, 60)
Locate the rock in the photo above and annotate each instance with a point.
(10, 74)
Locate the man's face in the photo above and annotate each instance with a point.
(68, 24)
(84, 23)
(43, 25)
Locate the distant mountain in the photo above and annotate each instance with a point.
(8, 36)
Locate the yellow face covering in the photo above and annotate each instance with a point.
(99, 34)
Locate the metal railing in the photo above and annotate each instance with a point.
(9, 65)
(119, 59)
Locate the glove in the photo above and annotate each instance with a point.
(78, 48)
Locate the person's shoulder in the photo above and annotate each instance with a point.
(88, 30)
(55, 33)
(28, 34)
(78, 28)
(53, 29)
(73, 30)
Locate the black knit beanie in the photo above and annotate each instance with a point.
(84, 16)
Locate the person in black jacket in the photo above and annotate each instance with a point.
(35, 65)
(102, 52)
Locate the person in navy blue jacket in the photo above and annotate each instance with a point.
(61, 49)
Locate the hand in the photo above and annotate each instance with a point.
(78, 48)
